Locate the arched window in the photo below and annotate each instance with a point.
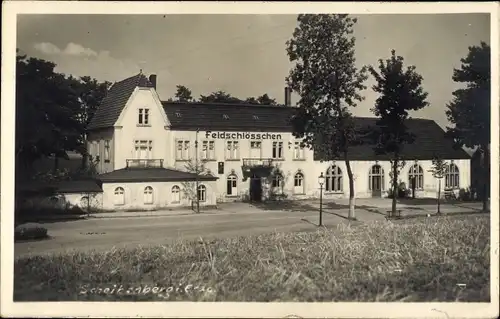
(333, 179)
(298, 183)
(277, 181)
(119, 196)
(416, 173)
(148, 195)
(232, 185)
(202, 193)
(176, 194)
(376, 179)
(452, 176)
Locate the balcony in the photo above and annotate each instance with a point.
(145, 163)
(256, 167)
(257, 162)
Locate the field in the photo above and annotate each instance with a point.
(424, 259)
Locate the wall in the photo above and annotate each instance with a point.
(127, 130)
(162, 195)
(97, 138)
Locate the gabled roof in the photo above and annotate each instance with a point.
(115, 100)
(131, 175)
(429, 141)
(228, 117)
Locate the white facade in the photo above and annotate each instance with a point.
(142, 132)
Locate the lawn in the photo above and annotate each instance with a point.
(428, 259)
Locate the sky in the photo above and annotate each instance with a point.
(245, 55)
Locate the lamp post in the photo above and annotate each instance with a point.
(321, 181)
(197, 172)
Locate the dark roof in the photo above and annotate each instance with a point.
(132, 175)
(228, 117)
(61, 187)
(430, 141)
(113, 103)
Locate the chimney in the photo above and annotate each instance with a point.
(288, 96)
(152, 79)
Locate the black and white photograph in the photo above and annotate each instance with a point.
(294, 160)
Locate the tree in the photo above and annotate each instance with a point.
(46, 113)
(438, 170)
(328, 82)
(400, 91)
(90, 94)
(183, 94)
(220, 97)
(189, 187)
(266, 100)
(469, 110)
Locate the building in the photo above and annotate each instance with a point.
(144, 146)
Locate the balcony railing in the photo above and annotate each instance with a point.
(251, 162)
(144, 163)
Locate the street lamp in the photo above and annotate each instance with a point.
(197, 172)
(321, 181)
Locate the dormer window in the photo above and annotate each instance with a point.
(225, 116)
(177, 114)
(255, 117)
(143, 117)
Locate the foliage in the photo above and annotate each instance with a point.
(416, 260)
(400, 92)
(328, 83)
(52, 111)
(189, 187)
(465, 195)
(470, 109)
(30, 231)
(402, 191)
(183, 94)
(439, 167)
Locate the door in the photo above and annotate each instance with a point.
(376, 186)
(255, 189)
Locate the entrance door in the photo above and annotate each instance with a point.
(376, 181)
(255, 189)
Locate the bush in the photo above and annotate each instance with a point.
(403, 192)
(30, 231)
(465, 195)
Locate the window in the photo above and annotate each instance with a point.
(232, 183)
(277, 181)
(202, 193)
(232, 150)
(452, 176)
(106, 151)
(255, 117)
(298, 183)
(333, 179)
(182, 151)
(225, 116)
(177, 114)
(148, 195)
(376, 178)
(176, 194)
(255, 149)
(208, 150)
(143, 149)
(277, 150)
(255, 144)
(416, 172)
(298, 151)
(143, 117)
(119, 196)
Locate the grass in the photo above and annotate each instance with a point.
(415, 260)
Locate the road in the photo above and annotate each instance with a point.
(105, 233)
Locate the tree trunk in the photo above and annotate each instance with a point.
(439, 196)
(486, 177)
(56, 163)
(395, 189)
(351, 189)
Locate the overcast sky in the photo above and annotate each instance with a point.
(243, 55)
